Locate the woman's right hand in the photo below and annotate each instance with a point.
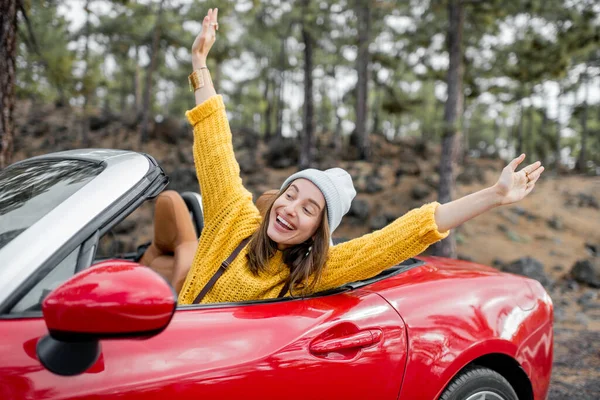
(205, 39)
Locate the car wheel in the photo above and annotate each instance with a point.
(479, 383)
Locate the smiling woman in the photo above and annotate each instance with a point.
(245, 255)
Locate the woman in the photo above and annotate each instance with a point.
(289, 250)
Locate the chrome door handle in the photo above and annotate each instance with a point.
(356, 340)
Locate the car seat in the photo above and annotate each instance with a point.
(193, 201)
(174, 243)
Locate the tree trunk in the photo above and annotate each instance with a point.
(520, 130)
(307, 137)
(376, 111)
(558, 132)
(452, 115)
(217, 75)
(584, 127)
(279, 113)
(148, 89)
(528, 141)
(496, 135)
(85, 124)
(466, 118)
(362, 85)
(137, 85)
(269, 109)
(280, 88)
(542, 135)
(8, 56)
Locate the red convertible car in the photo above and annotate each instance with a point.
(75, 324)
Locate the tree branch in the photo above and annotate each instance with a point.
(29, 29)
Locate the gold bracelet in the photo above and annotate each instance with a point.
(196, 80)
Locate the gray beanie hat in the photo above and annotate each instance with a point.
(337, 188)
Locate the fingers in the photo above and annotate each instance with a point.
(535, 175)
(532, 167)
(210, 20)
(529, 188)
(206, 21)
(515, 163)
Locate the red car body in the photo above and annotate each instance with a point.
(402, 337)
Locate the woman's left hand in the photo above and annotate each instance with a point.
(514, 186)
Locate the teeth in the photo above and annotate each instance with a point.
(284, 222)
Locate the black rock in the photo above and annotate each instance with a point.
(169, 130)
(556, 223)
(587, 200)
(126, 226)
(282, 153)
(98, 122)
(587, 272)
(518, 210)
(465, 257)
(247, 162)
(471, 174)
(531, 268)
(378, 222)
(373, 185)
(420, 191)
(359, 209)
(589, 297)
(432, 181)
(593, 249)
(502, 228)
(338, 240)
(183, 180)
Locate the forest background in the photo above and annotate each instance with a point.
(488, 78)
(420, 100)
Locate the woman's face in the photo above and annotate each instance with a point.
(296, 214)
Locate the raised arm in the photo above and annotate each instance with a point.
(510, 188)
(223, 195)
(412, 233)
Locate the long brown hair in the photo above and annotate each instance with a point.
(305, 260)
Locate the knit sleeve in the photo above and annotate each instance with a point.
(370, 254)
(216, 167)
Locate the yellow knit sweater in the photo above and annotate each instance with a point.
(230, 216)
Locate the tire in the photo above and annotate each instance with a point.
(479, 383)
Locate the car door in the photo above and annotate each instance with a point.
(348, 345)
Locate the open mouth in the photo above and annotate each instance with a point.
(283, 223)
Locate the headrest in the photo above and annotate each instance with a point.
(172, 222)
(263, 202)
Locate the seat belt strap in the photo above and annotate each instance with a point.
(284, 289)
(220, 271)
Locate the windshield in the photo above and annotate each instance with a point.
(31, 190)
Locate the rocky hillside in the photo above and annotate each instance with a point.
(553, 235)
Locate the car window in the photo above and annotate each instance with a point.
(33, 189)
(32, 301)
(129, 237)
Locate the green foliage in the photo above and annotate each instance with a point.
(47, 61)
(510, 50)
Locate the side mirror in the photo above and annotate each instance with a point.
(113, 299)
